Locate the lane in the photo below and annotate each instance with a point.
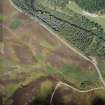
(59, 84)
(94, 62)
(79, 53)
(100, 75)
(68, 45)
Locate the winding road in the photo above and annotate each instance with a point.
(90, 59)
(93, 61)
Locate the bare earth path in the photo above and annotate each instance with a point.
(93, 61)
(59, 84)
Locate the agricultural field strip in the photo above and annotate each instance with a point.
(83, 56)
(59, 84)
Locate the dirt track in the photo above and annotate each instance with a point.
(27, 93)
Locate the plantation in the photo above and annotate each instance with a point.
(76, 29)
(94, 6)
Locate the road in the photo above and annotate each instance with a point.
(59, 84)
(93, 61)
(68, 45)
